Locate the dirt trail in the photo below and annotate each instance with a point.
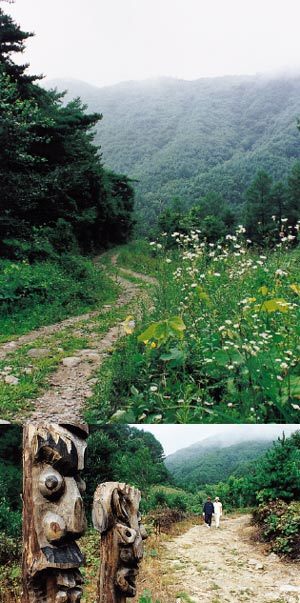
(12, 346)
(224, 565)
(71, 384)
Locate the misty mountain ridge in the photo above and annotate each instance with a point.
(241, 434)
(216, 457)
(185, 138)
(196, 466)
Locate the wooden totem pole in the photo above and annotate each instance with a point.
(116, 516)
(53, 512)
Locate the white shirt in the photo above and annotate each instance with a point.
(217, 508)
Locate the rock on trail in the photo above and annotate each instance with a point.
(223, 565)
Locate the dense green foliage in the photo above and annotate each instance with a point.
(124, 454)
(279, 524)
(55, 194)
(220, 343)
(47, 291)
(271, 214)
(185, 139)
(11, 487)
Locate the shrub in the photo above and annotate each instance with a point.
(10, 549)
(10, 521)
(279, 524)
(146, 597)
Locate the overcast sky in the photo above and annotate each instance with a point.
(106, 41)
(174, 437)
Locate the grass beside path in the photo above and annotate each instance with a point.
(43, 293)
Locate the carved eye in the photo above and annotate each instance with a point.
(51, 483)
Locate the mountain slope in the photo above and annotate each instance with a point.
(212, 461)
(185, 138)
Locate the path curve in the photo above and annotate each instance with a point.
(218, 565)
(70, 386)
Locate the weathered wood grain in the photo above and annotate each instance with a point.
(116, 516)
(53, 512)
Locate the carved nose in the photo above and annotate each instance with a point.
(143, 532)
(72, 506)
(138, 548)
(76, 522)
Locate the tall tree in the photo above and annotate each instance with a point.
(51, 175)
(278, 201)
(259, 206)
(278, 473)
(12, 40)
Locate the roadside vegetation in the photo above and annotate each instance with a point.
(42, 293)
(218, 343)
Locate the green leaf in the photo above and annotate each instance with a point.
(274, 305)
(175, 356)
(295, 288)
(163, 330)
(203, 295)
(291, 388)
(177, 324)
(148, 334)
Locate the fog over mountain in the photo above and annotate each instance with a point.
(181, 138)
(238, 434)
(226, 453)
(177, 437)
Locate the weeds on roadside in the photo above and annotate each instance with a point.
(33, 295)
(221, 345)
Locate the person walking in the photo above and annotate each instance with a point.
(208, 510)
(218, 510)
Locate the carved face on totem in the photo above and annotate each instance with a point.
(58, 512)
(116, 510)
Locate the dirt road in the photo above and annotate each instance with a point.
(71, 383)
(225, 565)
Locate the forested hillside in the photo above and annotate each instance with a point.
(198, 465)
(186, 138)
(57, 201)
(55, 193)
